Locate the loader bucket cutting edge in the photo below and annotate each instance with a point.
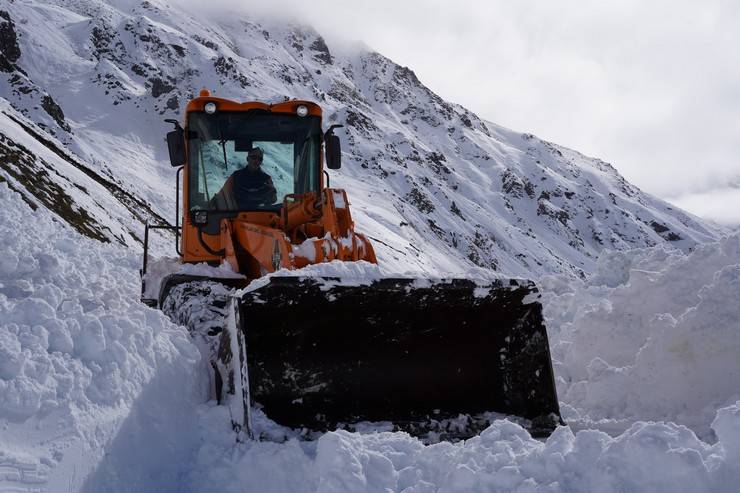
(320, 353)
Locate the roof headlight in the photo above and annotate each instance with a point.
(302, 110)
(210, 107)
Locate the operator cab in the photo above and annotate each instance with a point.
(211, 152)
(219, 143)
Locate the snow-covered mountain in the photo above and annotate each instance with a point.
(436, 187)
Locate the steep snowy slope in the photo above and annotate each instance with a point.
(439, 189)
(49, 176)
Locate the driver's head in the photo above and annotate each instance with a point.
(254, 158)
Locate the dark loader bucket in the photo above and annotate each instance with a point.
(321, 352)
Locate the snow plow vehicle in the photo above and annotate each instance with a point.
(318, 352)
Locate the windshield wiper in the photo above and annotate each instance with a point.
(222, 141)
(223, 146)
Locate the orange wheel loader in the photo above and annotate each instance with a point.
(318, 353)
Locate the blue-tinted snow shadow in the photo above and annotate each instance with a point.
(156, 442)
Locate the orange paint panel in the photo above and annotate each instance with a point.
(261, 243)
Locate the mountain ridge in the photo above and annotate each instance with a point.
(438, 188)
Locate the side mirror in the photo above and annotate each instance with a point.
(333, 152)
(176, 146)
(333, 148)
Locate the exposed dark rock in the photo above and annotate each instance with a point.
(322, 51)
(441, 233)
(437, 162)
(101, 39)
(662, 229)
(405, 76)
(113, 87)
(178, 49)
(391, 94)
(138, 70)
(456, 210)
(54, 111)
(528, 188)
(480, 251)
(21, 84)
(205, 42)
(359, 121)
(296, 41)
(9, 49)
(160, 87)
(546, 209)
(466, 121)
(25, 199)
(511, 184)
(658, 228)
(226, 66)
(347, 94)
(417, 198)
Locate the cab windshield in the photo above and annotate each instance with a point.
(218, 146)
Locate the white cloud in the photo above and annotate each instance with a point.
(721, 205)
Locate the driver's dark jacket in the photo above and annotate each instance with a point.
(246, 189)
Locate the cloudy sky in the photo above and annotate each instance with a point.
(653, 89)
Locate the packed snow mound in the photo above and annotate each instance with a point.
(646, 457)
(78, 353)
(653, 335)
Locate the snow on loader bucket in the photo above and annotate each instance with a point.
(319, 353)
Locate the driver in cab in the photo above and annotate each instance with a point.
(247, 188)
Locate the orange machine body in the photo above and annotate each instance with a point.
(309, 228)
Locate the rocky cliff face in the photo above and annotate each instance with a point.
(439, 189)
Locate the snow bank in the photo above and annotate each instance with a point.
(83, 363)
(653, 335)
(647, 457)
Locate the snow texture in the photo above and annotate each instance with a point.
(652, 335)
(87, 373)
